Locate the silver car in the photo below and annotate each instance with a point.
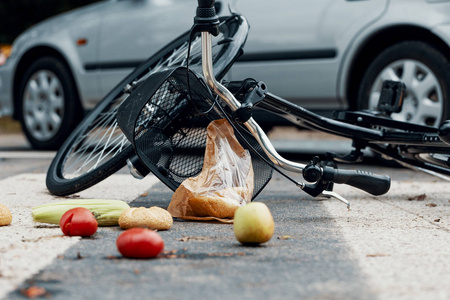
(321, 54)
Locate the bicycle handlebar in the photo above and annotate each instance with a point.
(205, 3)
(322, 175)
(206, 19)
(371, 183)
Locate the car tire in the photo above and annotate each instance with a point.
(48, 103)
(426, 74)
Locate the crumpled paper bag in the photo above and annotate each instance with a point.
(225, 183)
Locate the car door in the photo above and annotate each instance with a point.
(133, 30)
(296, 46)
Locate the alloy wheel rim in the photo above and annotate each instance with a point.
(43, 105)
(423, 101)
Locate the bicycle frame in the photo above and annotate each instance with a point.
(319, 175)
(354, 125)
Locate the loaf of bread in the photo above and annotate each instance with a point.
(220, 204)
(5, 215)
(211, 206)
(153, 218)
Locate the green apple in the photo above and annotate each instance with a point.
(253, 223)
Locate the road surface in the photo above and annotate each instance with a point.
(391, 247)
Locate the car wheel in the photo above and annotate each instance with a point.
(49, 105)
(426, 74)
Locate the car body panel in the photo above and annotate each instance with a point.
(58, 33)
(118, 57)
(443, 32)
(398, 12)
(308, 29)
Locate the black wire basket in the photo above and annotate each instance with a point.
(165, 118)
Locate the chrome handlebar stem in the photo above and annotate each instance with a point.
(234, 104)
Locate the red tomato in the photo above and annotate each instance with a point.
(140, 243)
(78, 221)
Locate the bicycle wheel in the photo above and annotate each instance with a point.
(426, 157)
(439, 159)
(97, 148)
(434, 160)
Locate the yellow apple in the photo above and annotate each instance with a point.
(253, 223)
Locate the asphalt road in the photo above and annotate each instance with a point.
(209, 263)
(389, 247)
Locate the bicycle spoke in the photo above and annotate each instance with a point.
(102, 125)
(89, 156)
(103, 139)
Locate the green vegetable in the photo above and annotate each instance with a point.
(107, 212)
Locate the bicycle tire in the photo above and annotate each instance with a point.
(97, 148)
(427, 156)
(419, 157)
(437, 159)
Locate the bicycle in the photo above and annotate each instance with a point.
(174, 127)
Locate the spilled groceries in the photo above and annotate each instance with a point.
(107, 212)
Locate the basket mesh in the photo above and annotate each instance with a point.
(166, 118)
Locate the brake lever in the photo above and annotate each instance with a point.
(331, 194)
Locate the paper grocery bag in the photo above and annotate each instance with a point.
(225, 183)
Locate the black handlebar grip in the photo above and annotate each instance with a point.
(206, 15)
(371, 183)
(206, 19)
(206, 3)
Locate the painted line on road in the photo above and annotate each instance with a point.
(27, 154)
(285, 146)
(25, 248)
(401, 239)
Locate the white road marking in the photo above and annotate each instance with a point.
(27, 154)
(25, 249)
(403, 246)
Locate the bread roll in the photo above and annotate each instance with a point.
(153, 218)
(5, 215)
